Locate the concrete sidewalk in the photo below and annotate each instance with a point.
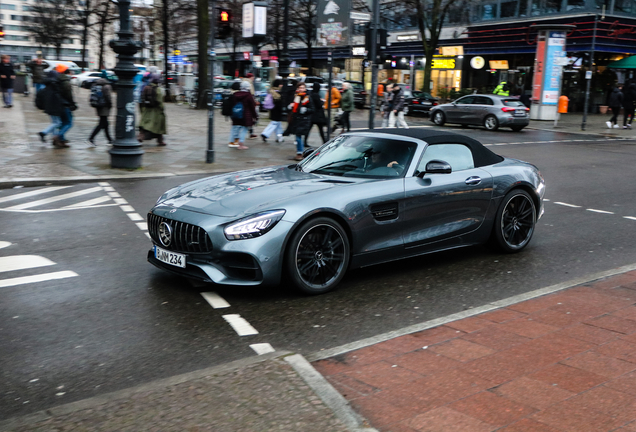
(25, 160)
(564, 362)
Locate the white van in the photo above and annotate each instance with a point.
(51, 64)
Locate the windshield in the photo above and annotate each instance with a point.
(361, 156)
(513, 103)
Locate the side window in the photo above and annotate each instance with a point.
(483, 100)
(457, 155)
(468, 100)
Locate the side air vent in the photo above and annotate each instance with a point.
(385, 211)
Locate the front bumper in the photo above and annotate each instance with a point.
(250, 262)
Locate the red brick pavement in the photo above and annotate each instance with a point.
(561, 362)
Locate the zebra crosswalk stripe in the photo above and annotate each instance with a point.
(31, 193)
(54, 199)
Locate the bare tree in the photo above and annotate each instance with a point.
(302, 23)
(105, 15)
(53, 22)
(203, 15)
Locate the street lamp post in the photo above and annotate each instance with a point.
(127, 151)
(284, 60)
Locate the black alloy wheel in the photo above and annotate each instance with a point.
(515, 222)
(318, 256)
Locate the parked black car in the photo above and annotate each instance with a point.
(418, 102)
(359, 93)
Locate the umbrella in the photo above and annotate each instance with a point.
(626, 63)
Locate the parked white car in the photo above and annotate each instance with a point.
(80, 79)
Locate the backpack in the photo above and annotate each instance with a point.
(237, 111)
(39, 99)
(268, 103)
(97, 98)
(149, 97)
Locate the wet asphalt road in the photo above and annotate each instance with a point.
(122, 322)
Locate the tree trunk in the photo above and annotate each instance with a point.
(58, 52)
(203, 21)
(310, 60)
(166, 47)
(234, 45)
(87, 12)
(429, 51)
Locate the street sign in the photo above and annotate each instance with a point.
(177, 52)
(360, 16)
(248, 20)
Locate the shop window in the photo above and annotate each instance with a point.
(625, 6)
(7, 6)
(575, 5)
(552, 6)
(485, 11)
(509, 9)
(601, 3)
(523, 8)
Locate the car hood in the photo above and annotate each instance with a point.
(247, 192)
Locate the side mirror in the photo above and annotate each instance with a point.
(436, 167)
(308, 152)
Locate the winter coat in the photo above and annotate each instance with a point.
(276, 113)
(107, 91)
(301, 121)
(318, 117)
(397, 100)
(154, 119)
(347, 100)
(335, 99)
(49, 96)
(616, 98)
(66, 91)
(629, 96)
(37, 70)
(249, 108)
(6, 70)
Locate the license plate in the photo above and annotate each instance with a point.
(175, 259)
(520, 112)
(426, 103)
(218, 96)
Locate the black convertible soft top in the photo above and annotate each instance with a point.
(481, 155)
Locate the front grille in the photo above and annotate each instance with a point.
(185, 237)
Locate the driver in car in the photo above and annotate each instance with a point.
(381, 157)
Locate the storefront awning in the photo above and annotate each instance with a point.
(626, 63)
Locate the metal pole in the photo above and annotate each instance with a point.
(209, 154)
(412, 80)
(375, 25)
(284, 60)
(126, 151)
(589, 81)
(329, 84)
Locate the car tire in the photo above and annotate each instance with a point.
(317, 256)
(515, 222)
(491, 123)
(516, 128)
(439, 118)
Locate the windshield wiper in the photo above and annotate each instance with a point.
(336, 162)
(298, 168)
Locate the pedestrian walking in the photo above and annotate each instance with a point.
(397, 108)
(318, 117)
(335, 102)
(37, 71)
(274, 103)
(7, 76)
(101, 100)
(249, 78)
(615, 102)
(301, 108)
(385, 107)
(66, 94)
(347, 105)
(243, 115)
(49, 100)
(503, 89)
(629, 101)
(153, 116)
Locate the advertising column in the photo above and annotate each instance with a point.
(549, 61)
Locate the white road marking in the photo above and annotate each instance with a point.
(32, 193)
(109, 189)
(148, 235)
(566, 204)
(22, 262)
(120, 201)
(36, 278)
(545, 199)
(127, 208)
(134, 216)
(4, 244)
(55, 198)
(90, 202)
(103, 184)
(240, 325)
(629, 217)
(56, 209)
(142, 226)
(600, 211)
(114, 195)
(215, 300)
(262, 348)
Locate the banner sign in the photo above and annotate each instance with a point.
(248, 20)
(538, 70)
(552, 71)
(333, 22)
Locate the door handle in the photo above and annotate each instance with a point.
(473, 181)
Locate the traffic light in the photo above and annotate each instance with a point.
(223, 23)
(381, 41)
(1, 32)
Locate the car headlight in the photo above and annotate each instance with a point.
(253, 226)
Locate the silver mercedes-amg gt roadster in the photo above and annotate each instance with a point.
(363, 198)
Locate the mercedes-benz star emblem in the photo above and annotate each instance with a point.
(165, 234)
